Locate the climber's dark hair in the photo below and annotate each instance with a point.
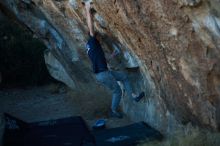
(96, 34)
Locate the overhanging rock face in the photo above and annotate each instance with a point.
(175, 44)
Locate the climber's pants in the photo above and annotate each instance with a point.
(109, 79)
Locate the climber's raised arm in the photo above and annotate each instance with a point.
(89, 18)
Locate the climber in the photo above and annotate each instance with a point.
(102, 73)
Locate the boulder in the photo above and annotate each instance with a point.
(169, 48)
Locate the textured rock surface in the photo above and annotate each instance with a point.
(175, 43)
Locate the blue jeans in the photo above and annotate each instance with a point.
(109, 79)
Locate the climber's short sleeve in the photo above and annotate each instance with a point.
(96, 55)
(92, 43)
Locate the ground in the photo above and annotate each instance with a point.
(54, 101)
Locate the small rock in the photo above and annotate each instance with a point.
(5, 38)
(62, 90)
(35, 36)
(173, 31)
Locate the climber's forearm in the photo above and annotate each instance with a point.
(89, 20)
(111, 56)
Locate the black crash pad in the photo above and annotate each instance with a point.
(126, 136)
(73, 132)
(62, 132)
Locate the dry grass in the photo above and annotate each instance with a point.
(195, 138)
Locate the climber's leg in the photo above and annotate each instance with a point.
(109, 81)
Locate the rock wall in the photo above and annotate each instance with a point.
(174, 43)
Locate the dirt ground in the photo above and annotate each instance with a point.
(55, 101)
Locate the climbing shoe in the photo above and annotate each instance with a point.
(139, 97)
(114, 114)
(99, 124)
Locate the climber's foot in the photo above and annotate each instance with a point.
(115, 114)
(139, 97)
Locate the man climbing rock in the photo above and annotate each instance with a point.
(102, 73)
